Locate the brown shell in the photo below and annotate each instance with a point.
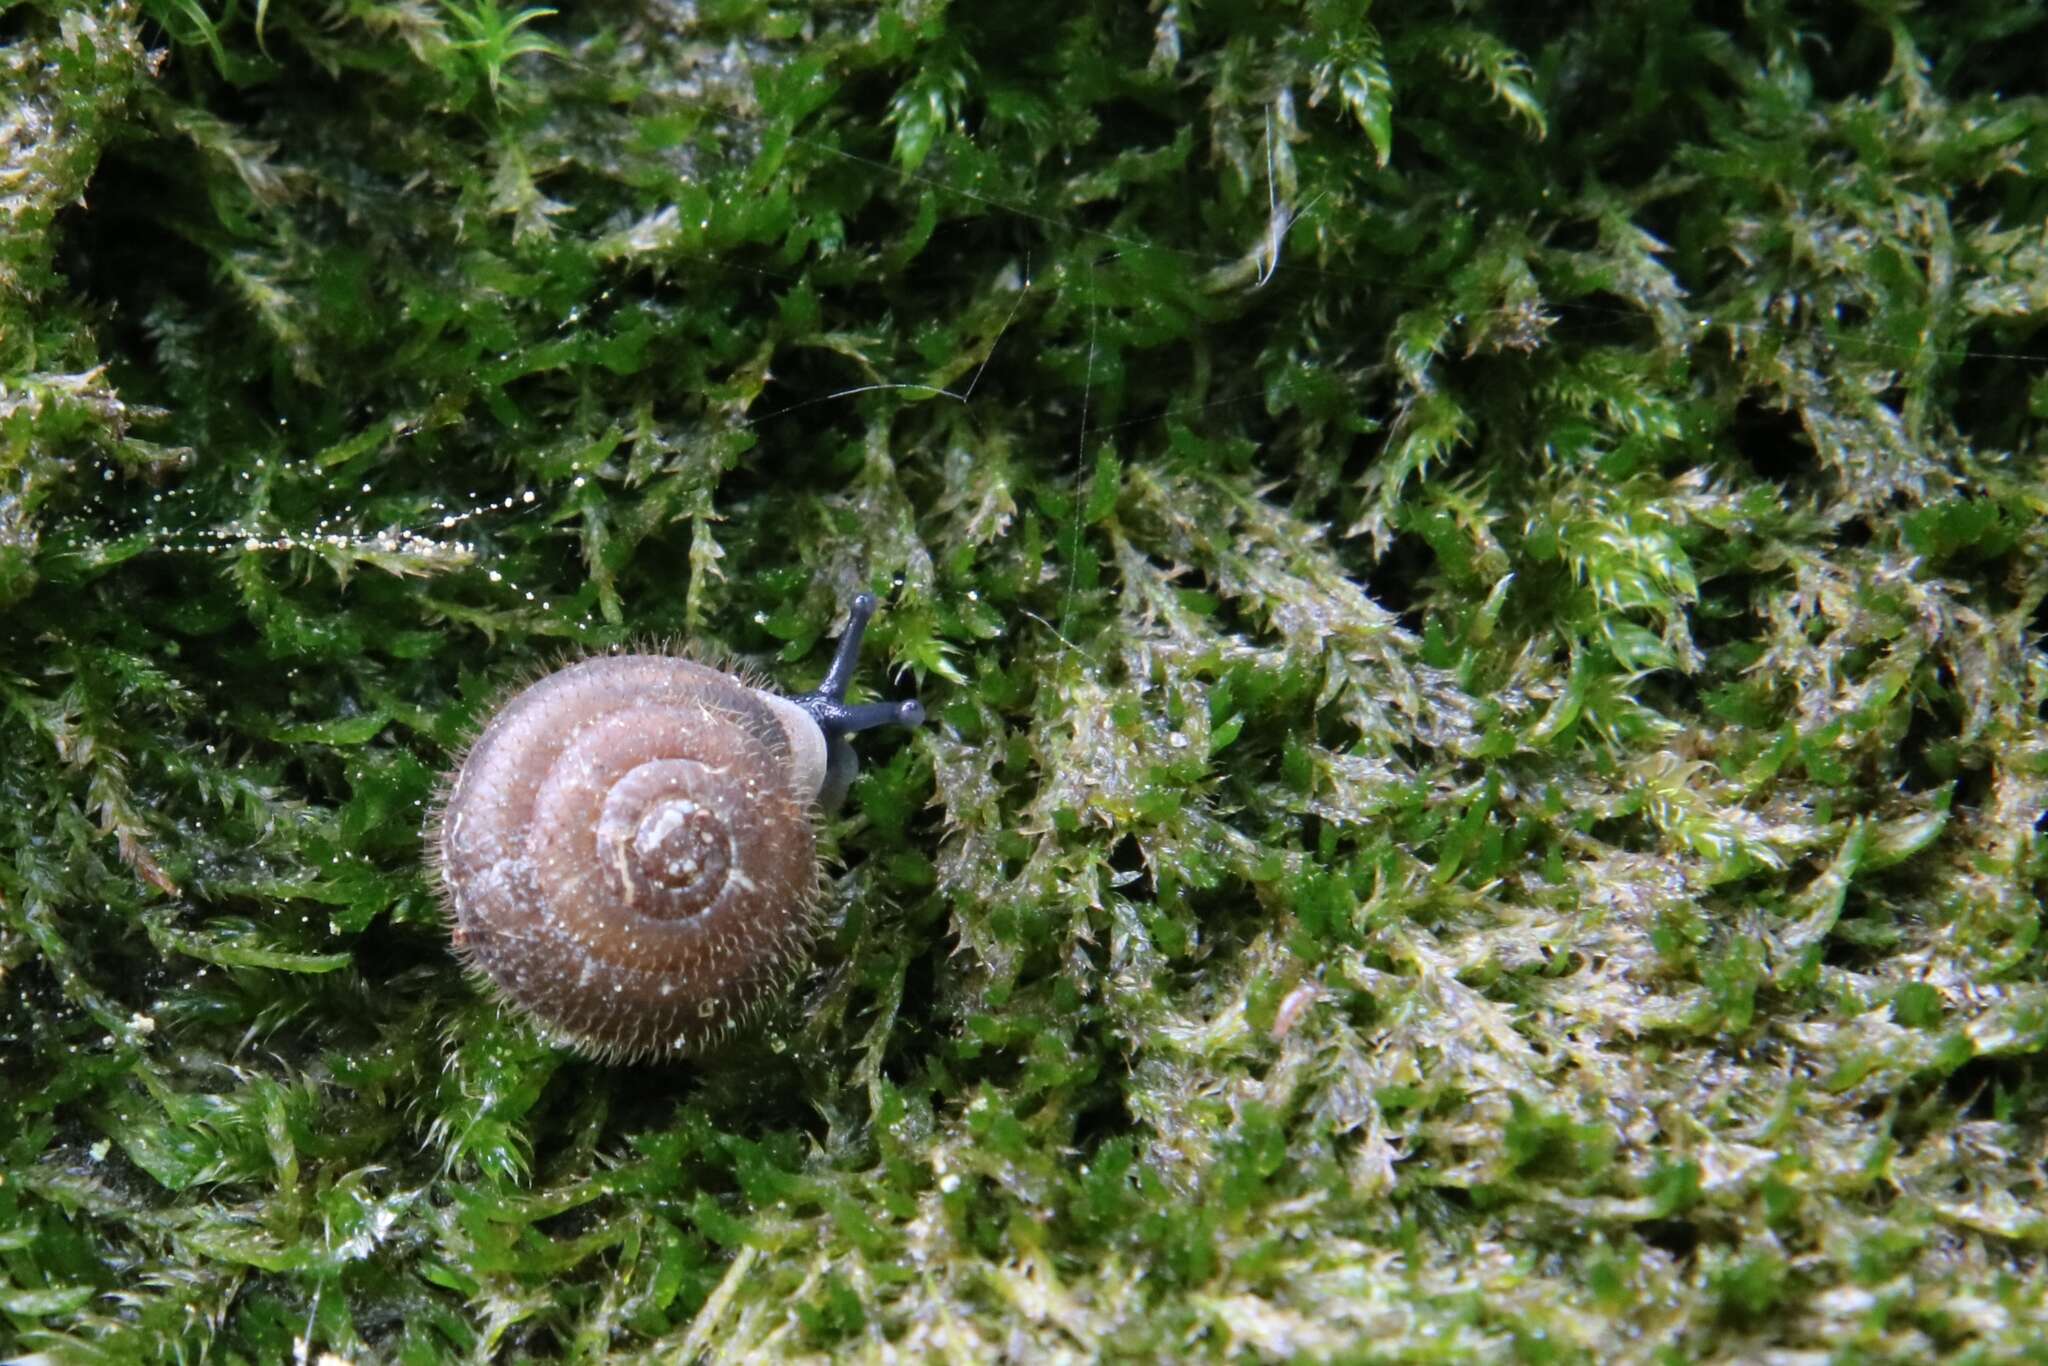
(628, 855)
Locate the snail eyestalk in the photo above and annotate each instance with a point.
(827, 705)
(836, 719)
(875, 715)
(847, 657)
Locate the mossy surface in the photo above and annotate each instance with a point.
(1478, 571)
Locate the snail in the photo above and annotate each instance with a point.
(628, 852)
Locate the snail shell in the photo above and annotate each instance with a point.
(628, 850)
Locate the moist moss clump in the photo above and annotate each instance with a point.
(1479, 580)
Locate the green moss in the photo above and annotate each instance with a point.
(1479, 582)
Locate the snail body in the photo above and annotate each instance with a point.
(628, 851)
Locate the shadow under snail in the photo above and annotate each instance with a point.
(628, 851)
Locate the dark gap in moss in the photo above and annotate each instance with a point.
(2037, 636)
(378, 1317)
(918, 1031)
(120, 257)
(804, 408)
(1774, 443)
(976, 1064)
(1102, 1116)
(1633, 156)
(2004, 1090)
(1092, 236)
(1929, 752)
(1856, 61)
(1134, 877)
(387, 953)
(1224, 613)
(321, 775)
(1733, 17)
(1360, 1009)
(973, 243)
(1998, 581)
(81, 1152)
(1444, 1207)
(1680, 1238)
(1728, 615)
(1798, 878)
(1310, 833)
(15, 26)
(1673, 693)
(1628, 126)
(663, 1098)
(151, 34)
(576, 1221)
(1130, 123)
(1987, 203)
(1854, 534)
(751, 1086)
(1399, 579)
(34, 1004)
(1864, 936)
(1845, 318)
(276, 106)
(1973, 783)
(653, 586)
(1983, 48)
(1994, 369)
(1843, 52)
(1626, 833)
(1573, 235)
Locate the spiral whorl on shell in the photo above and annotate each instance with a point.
(628, 850)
